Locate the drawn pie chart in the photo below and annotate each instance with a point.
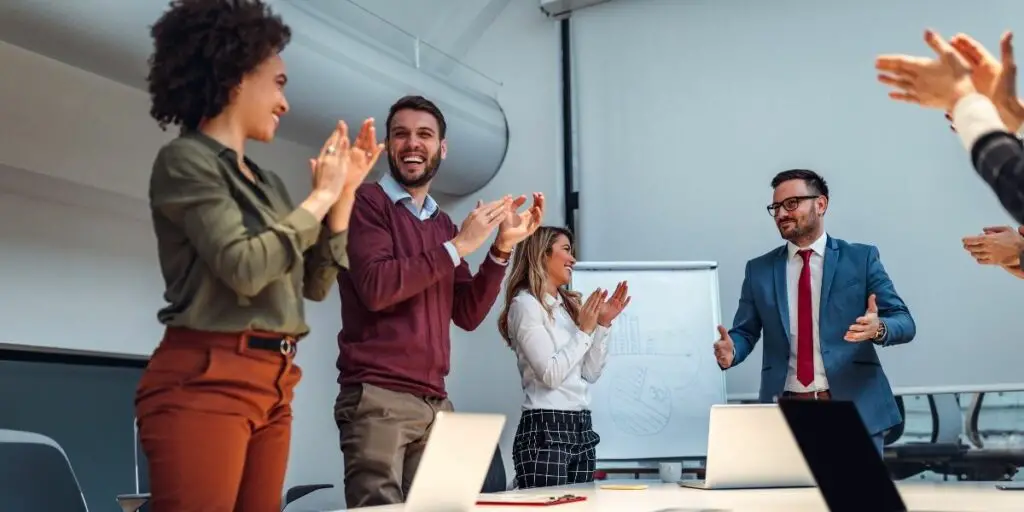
(640, 403)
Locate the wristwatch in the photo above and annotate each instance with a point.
(880, 333)
(498, 253)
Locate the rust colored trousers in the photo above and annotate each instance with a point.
(215, 417)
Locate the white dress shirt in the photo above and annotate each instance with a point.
(794, 265)
(557, 361)
(974, 116)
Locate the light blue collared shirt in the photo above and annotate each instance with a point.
(398, 194)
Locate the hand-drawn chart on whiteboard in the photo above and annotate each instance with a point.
(654, 397)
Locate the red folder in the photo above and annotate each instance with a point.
(528, 500)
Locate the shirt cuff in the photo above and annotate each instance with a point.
(453, 252)
(587, 339)
(304, 225)
(974, 116)
(496, 260)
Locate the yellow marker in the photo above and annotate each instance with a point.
(624, 487)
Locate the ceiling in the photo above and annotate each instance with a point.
(111, 37)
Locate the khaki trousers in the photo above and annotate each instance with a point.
(383, 434)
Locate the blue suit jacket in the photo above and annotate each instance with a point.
(851, 272)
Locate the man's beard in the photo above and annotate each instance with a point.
(430, 170)
(799, 230)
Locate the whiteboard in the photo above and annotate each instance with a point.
(654, 398)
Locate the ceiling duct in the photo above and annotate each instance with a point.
(344, 62)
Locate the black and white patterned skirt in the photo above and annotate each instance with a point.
(554, 448)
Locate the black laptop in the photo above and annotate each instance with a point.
(848, 469)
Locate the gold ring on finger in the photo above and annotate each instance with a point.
(331, 150)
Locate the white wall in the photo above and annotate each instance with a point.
(77, 256)
(77, 150)
(522, 50)
(702, 102)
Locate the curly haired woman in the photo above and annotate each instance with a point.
(561, 345)
(237, 257)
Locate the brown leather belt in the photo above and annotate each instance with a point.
(258, 340)
(808, 395)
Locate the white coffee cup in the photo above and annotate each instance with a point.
(670, 472)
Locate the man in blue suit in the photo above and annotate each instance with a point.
(823, 304)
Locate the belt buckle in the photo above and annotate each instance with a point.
(287, 345)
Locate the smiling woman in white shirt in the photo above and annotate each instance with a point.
(561, 345)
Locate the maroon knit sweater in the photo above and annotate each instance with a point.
(400, 295)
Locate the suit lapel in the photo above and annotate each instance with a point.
(780, 290)
(827, 273)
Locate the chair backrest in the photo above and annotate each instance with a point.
(947, 418)
(971, 423)
(35, 474)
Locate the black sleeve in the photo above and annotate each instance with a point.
(999, 159)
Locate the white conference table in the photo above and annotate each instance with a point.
(918, 496)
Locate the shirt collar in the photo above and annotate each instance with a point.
(817, 246)
(223, 152)
(398, 194)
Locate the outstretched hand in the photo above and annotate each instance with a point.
(724, 348)
(865, 327)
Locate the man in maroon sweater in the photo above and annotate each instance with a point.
(406, 284)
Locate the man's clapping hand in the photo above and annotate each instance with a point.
(480, 223)
(997, 245)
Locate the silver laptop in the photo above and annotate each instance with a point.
(455, 462)
(751, 447)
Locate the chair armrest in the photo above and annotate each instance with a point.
(299, 491)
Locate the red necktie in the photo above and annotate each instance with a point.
(805, 324)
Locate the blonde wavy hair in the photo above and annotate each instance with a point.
(529, 272)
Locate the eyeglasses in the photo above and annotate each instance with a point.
(789, 203)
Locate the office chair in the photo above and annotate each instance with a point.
(495, 480)
(942, 452)
(35, 474)
(299, 491)
(133, 502)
